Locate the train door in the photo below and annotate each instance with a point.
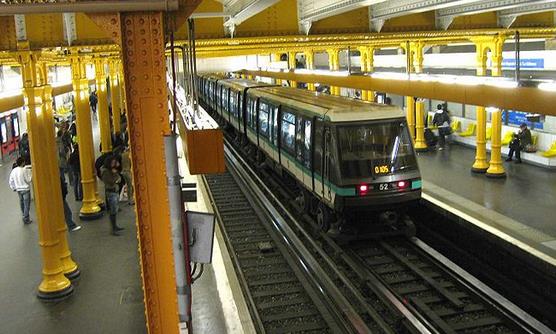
(5, 136)
(327, 164)
(15, 131)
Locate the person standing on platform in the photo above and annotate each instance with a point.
(93, 100)
(110, 175)
(442, 120)
(75, 170)
(20, 182)
(126, 174)
(24, 150)
(520, 141)
(72, 226)
(63, 154)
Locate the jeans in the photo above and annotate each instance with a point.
(68, 215)
(517, 151)
(112, 202)
(77, 186)
(25, 204)
(129, 184)
(63, 173)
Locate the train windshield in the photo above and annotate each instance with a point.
(375, 149)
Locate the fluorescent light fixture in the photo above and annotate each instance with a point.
(491, 109)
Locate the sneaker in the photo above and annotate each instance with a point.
(27, 222)
(509, 159)
(131, 203)
(76, 228)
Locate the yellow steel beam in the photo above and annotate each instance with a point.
(527, 99)
(16, 101)
(298, 43)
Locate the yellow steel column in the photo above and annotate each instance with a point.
(410, 112)
(370, 67)
(417, 56)
(496, 169)
(275, 57)
(310, 65)
(481, 165)
(363, 63)
(71, 270)
(54, 284)
(102, 108)
(147, 110)
(90, 208)
(420, 143)
(334, 65)
(291, 66)
(115, 96)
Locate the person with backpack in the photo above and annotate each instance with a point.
(442, 120)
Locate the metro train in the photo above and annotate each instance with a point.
(349, 158)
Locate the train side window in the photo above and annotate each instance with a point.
(307, 144)
(299, 139)
(263, 119)
(233, 106)
(224, 99)
(274, 114)
(288, 132)
(318, 147)
(240, 105)
(250, 112)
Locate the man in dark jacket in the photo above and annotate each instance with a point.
(75, 169)
(519, 142)
(110, 175)
(93, 100)
(442, 120)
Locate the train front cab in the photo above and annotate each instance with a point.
(373, 165)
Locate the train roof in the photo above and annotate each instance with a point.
(242, 83)
(332, 108)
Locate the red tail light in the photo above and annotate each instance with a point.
(402, 184)
(363, 188)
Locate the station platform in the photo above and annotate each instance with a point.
(518, 208)
(108, 298)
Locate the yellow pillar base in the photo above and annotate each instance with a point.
(496, 169)
(481, 165)
(420, 143)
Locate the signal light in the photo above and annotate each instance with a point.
(363, 188)
(402, 184)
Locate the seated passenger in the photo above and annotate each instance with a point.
(520, 141)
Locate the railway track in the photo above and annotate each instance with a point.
(285, 289)
(396, 285)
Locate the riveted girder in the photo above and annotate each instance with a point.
(147, 110)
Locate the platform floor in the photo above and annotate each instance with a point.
(527, 194)
(107, 299)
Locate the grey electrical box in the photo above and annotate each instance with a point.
(201, 235)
